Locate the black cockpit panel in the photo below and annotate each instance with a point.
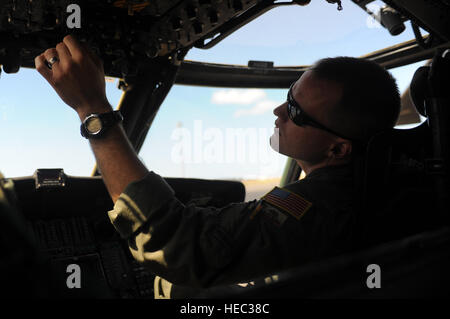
(70, 225)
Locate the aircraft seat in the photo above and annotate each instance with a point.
(403, 177)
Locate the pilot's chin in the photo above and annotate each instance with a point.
(275, 140)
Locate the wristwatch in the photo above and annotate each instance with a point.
(95, 125)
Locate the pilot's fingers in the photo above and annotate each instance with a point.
(63, 52)
(42, 68)
(74, 47)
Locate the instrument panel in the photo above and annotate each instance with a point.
(67, 217)
(127, 35)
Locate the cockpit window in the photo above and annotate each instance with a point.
(299, 35)
(215, 133)
(38, 130)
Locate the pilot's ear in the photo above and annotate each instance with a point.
(342, 149)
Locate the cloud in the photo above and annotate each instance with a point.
(236, 96)
(257, 97)
(259, 108)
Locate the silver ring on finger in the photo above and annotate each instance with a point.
(52, 61)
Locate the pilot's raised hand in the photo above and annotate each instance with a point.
(76, 74)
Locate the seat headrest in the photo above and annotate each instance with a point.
(419, 88)
(431, 81)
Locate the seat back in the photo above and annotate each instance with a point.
(403, 176)
(398, 196)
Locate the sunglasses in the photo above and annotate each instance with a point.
(300, 118)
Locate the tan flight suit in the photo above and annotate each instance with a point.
(198, 247)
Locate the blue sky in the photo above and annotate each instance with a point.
(40, 131)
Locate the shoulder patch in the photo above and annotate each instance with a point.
(288, 201)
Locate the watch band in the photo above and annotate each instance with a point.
(107, 120)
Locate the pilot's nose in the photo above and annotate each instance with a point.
(280, 111)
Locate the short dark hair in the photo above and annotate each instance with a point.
(371, 100)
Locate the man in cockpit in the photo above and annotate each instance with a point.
(331, 111)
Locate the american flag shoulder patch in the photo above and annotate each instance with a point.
(288, 201)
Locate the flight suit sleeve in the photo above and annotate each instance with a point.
(201, 247)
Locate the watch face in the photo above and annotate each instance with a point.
(93, 125)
